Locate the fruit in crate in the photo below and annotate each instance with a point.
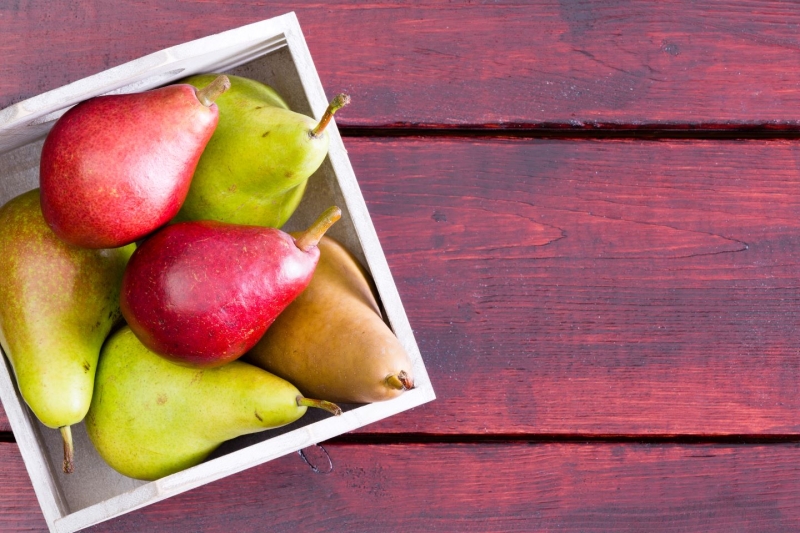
(58, 303)
(202, 293)
(150, 418)
(256, 165)
(115, 168)
(331, 341)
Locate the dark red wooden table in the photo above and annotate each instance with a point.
(592, 213)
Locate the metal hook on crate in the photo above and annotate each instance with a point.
(302, 454)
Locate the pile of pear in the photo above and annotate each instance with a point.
(147, 289)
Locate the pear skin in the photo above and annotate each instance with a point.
(255, 168)
(331, 342)
(246, 90)
(150, 418)
(58, 303)
(115, 168)
(201, 293)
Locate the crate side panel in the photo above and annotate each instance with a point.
(279, 72)
(93, 480)
(19, 171)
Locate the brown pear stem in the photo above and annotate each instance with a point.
(332, 408)
(69, 449)
(208, 94)
(401, 381)
(338, 102)
(310, 237)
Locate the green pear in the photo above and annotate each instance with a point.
(150, 417)
(255, 168)
(332, 341)
(58, 303)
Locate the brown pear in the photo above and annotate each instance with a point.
(332, 340)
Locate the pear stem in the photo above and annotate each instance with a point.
(401, 381)
(310, 237)
(213, 90)
(338, 102)
(332, 408)
(69, 449)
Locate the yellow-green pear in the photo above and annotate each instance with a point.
(151, 418)
(255, 168)
(58, 303)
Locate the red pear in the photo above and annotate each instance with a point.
(115, 168)
(202, 293)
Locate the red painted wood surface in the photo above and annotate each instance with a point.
(604, 287)
(654, 63)
(557, 288)
(594, 287)
(461, 488)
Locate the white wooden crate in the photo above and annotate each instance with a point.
(274, 52)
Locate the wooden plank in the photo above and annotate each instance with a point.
(597, 316)
(658, 63)
(19, 509)
(568, 287)
(610, 287)
(471, 488)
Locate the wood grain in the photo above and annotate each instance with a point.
(486, 65)
(557, 289)
(608, 287)
(19, 509)
(469, 488)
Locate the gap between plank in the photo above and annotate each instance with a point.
(562, 131)
(427, 438)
